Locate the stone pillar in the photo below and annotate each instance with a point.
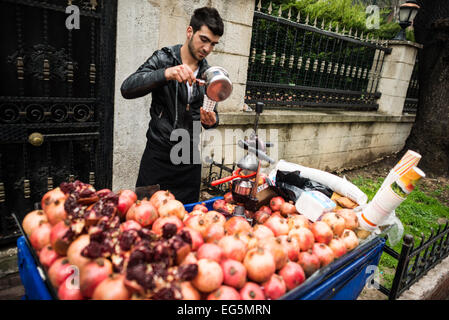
(395, 77)
(137, 39)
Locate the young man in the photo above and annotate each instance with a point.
(177, 99)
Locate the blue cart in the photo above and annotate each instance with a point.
(343, 279)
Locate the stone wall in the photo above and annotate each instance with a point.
(315, 139)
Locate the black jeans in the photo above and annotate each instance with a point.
(183, 180)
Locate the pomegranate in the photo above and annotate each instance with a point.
(215, 217)
(267, 209)
(172, 208)
(55, 211)
(278, 251)
(228, 198)
(209, 277)
(224, 207)
(190, 258)
(51, 196)
(309, 262)
(210, 251)
(287, 209)
(74, 251)
(143, 212)
(234, 273)
(338, 247)
(261, 216)
(298, 221)
(200, 207)
(47, 256)
(59, 271)
(249, 238)
(233, 247)
(351, 220)
(224, 293)
(251, 291)
(32, 220)
(197, 239)
(189, 292)
(293, 275)
(130, 225)
(214, 233)
(236, 224)
(160, 222)
(262, 232)
(275, 287)
(112, 288)
(324, 253)
(69, 292)
(259, 264)
(61, 236)
(350, 239)
(322, 232)
(276, 203)
(125, 200)
(92, 274)
(304, 236)
(335, 221)
(292, 246)
(277, 224)
(197, 222)
(159, 196)
(41, 235)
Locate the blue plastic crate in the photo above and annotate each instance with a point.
(343, 279)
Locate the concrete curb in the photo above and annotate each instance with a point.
(433, 286)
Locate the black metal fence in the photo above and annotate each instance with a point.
(301, 64)
(414, 263)
(411, 99)
(217, 171)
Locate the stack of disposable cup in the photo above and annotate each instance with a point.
(386, 200)
(409, 160)
(208, 103)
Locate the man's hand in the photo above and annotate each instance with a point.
(208, 118)
(180, 73)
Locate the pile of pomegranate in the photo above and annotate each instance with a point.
(111, 246)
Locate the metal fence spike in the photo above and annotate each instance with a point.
(330, 26)
(259, 5)
(350, 32)
(336, 28)
(367, 39)
(322, 25)
(289, 15)
(315, 21)
(344, 30)
(298, 17)
(355, 35)
(280, 11)
(361, 36)
(307, 19)
(270, 8)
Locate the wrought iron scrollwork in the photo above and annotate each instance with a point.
(42, 62)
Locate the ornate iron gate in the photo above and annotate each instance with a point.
(56, 100)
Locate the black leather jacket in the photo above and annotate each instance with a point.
(167, 112)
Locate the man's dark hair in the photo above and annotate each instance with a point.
(209, 17)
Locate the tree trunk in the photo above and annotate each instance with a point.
(430, 133)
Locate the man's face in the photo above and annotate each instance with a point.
(202, 42)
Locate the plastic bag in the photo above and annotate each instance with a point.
(396, 231)
(339, 185)
(292, 184)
